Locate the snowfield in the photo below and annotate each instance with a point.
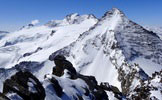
(113, 49)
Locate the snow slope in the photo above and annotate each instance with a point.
(155, 29)
(111, 43)
(29, 44)
(117, 38)
(113, 49)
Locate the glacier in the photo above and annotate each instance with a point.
(113, 48)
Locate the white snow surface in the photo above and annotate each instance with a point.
(29, 40)
(95, 47)
(147, 65)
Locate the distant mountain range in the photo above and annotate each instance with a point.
(113, 49)
(4, 32)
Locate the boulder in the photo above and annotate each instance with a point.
(26, 85)
(62, 64)
(98, 93)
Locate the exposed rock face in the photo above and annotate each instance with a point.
(113, 49)
(28, 66)
(127, 78)
(146, 88)
(30, 53)
(92, 90)
(61, 64)
(155, 29)
(115, 90)
(95, 90)
(27, 26)
(25, 85)
(56, 86)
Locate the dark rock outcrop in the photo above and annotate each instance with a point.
(94, 88)
(30, 53)
(127, 78)
(52, 32)
(62, 64)
(98, 92)
(57, 87)
(25, 85)
(143, 91)
(115, 90)
(93, 91)
(28, 66)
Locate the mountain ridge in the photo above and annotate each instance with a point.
(109, 48)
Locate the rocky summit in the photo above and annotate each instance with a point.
(25, 86)
(82, 58)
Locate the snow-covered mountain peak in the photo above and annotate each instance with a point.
(30, 25)
(113, 41)
(77, 16)
(107, 24)
(27, 26)
(73, 18)
(111, 20)
(114, 49)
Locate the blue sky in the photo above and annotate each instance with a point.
(16, 13)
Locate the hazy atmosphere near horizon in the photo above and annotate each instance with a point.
(16, 13)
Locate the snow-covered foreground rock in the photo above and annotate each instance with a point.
(113, 49)
(70, 86)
